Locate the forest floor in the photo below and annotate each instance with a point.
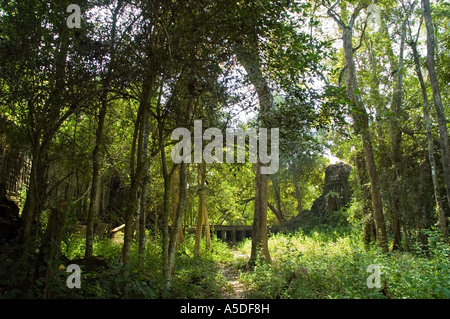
(235, 288)
(324, 263)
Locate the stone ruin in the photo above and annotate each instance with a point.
(336, 194)
(336, 190)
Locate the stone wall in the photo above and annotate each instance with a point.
(336, 190)
(336, 194)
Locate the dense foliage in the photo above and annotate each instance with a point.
(86, 121)
(325, 262)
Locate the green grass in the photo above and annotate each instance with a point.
(323, 263)
(195, 277)
(334, 265)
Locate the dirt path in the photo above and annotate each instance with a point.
(234, 289)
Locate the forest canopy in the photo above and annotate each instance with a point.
(191, 140)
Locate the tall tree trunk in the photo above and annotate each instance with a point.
(249, 59)
(51, 246)
(95, 187)
(142, 199)
(396, 140)
(421, 207)
(165, 227)
(361, 122)
(426, 119)
(170, 239)
(33, 199)
(367, 213)
(41, 133)
(155, 226)
(167, 177)
(377, 100)
(175, 192)
(260, 248)
(136, 171)
(442, 121)
(176, 225)
(201, 207)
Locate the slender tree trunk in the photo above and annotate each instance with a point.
(175, 194)
(175, 191)
(442, 121)
(396, 140)
(143, 200)
(375, 96)
(361, 122)
(170, 239)
(367, 213)
(165, 228)
(176, 225)
(155, 226)
(136, 172)
(51, 246)
(249, 59)
(167, 177)
(95, 187)
(41, 133)
(143, 210)
(201, 207)
(32, 199)
(298, 194)
(207, 229)
(260, 248)
(421, 214)
(426, 118)
(277, 195)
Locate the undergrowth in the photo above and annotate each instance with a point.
(322, 263)
(195, 277)
(334, 264)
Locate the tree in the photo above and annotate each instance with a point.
(396, 137)
(45, 71)
(427, 121)
(106, 83)
(202, 216)
(249, 57)
(360, 117)
(279, 59)
(440, 113)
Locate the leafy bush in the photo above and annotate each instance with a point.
(334, 265)
(322, 263)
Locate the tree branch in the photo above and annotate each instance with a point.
(334, 15)
(355, 14)
(362, 37)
